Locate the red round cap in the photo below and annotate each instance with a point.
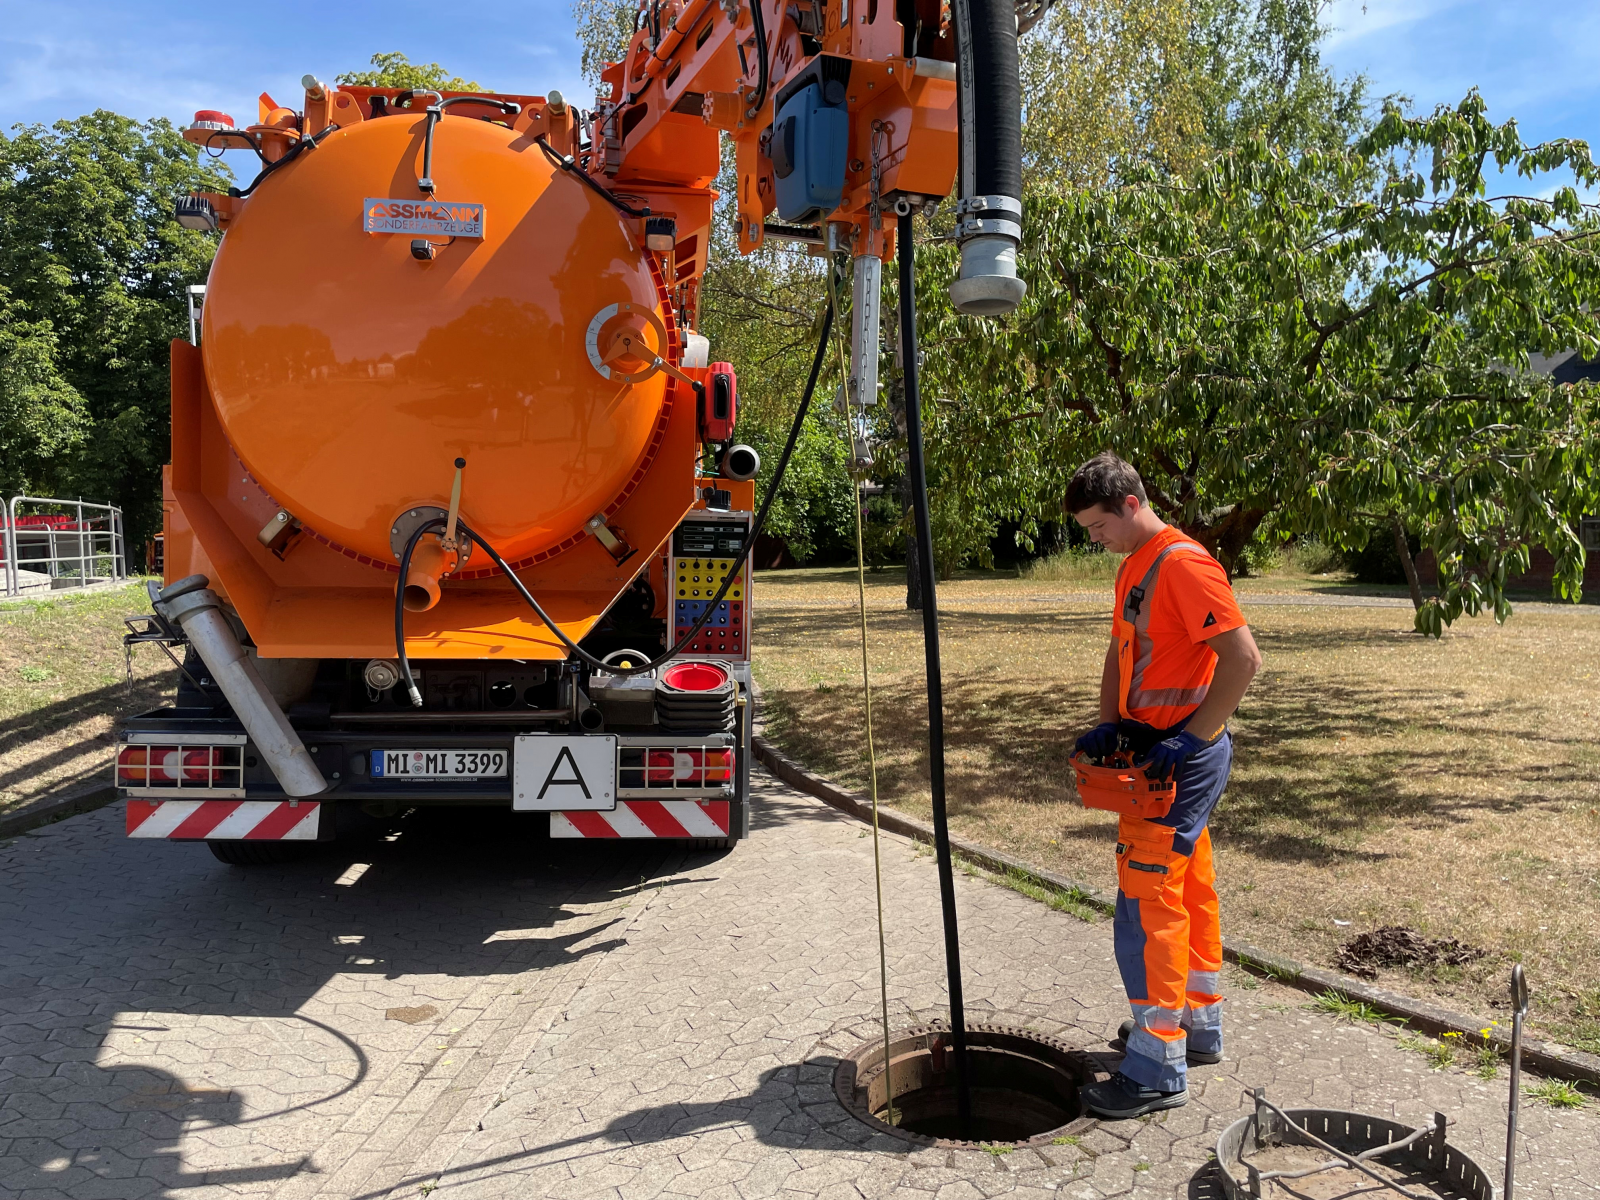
(695, 676)
(212, 116)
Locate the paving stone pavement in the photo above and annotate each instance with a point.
(612, 1021)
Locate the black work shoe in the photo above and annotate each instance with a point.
(1197, 1058)
(1120, 1098)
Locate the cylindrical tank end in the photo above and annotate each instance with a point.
(422, 580)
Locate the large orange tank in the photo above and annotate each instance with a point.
(350, 358)
(348, 374)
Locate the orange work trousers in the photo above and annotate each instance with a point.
(1168, 939)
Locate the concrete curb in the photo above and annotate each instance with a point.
(47, 811)
(1543, 1057)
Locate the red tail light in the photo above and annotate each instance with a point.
(197, 765)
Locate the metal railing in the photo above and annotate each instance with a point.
(47, 544)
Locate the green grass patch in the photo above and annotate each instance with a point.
(1557, 1093)
(1343, 1008)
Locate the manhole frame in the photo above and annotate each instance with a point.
(853, 1098)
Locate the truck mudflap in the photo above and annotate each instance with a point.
(225, 820)
(646, 819)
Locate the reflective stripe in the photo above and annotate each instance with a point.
(1204, 1016)
(1204, 983)
(1136, 610)
(1156, 1053)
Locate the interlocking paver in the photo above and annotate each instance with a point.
(628, 1021)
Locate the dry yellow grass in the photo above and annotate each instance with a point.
(63, 685)
(1381, 778)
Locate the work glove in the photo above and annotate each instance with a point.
(1166, 757)
(1099, 741)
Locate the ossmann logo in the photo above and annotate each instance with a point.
(449, 218)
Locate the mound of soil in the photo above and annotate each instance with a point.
(1398, 946)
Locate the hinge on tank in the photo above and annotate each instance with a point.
(279, 532)
(614, 541)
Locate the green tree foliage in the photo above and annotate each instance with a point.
(395, 70)
(95, 268)
(1256, 70)
(41, 414)
(604, 27)
(1331, 338)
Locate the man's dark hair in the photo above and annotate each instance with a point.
(1104, 480)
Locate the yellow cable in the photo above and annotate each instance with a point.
(866, 703)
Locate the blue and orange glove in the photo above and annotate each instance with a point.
(1166, 757)
(1099, 741)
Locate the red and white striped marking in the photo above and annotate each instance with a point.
(231, 820)
(646, 819)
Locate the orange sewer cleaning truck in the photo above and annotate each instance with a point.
(455, 513)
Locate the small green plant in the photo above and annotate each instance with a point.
(1439, 1054)
(1557, 1093)
(1487, 1065)
(35, 674)
(1067, 1140)
(1340, 1006)
(1142, 1166)
(997, 1150)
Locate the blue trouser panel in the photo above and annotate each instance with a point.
(1154, 1054)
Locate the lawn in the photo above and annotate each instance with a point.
(1381, 778)
(64, 683)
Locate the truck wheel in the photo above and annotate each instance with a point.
(252, 854)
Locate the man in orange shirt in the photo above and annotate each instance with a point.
(1180, 660)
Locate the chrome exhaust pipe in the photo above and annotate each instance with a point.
(192, 605)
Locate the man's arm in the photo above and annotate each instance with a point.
(1110, 687)
(1238, 660)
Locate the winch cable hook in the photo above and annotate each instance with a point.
(866, 706)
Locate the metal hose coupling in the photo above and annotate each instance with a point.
(988, 230)
(191, 604)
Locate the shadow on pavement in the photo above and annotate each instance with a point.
(101, 938)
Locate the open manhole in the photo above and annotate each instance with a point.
(1024, 1085)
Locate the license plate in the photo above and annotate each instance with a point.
(439, 764)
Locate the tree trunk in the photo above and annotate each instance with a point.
(913, 577)
(1403, 548)
(1227, 536)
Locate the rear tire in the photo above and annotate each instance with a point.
(253, 854)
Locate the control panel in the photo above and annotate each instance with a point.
(704, 550)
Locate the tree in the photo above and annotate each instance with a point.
(1256, 70)
(1332, 338)
(395, 70)
(41, 414)
(95, 268)
(604, 28)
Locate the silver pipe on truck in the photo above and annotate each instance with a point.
(989, 120)
(192, 605)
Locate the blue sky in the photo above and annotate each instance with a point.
(1533, 59)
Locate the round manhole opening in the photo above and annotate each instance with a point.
(1024, 1085)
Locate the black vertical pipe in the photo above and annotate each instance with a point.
(930, 644)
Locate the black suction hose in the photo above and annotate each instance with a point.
(594, 663)
(930, 645)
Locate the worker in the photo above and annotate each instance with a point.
(1180, 660)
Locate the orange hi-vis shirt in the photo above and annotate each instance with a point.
(1171, 597)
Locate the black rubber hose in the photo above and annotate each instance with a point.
(759, 21)
(930, 644)
(597, 664)
(567, 163)
(986, 53)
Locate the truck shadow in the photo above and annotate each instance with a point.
(167, 1022)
